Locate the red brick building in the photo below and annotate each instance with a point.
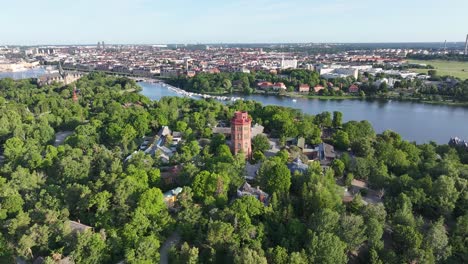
(241, 125)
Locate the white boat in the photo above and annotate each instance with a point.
(294, 100)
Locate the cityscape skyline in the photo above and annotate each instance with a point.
(241, 21)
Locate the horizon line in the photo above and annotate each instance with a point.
(233, 43)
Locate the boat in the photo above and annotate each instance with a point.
(294, 100)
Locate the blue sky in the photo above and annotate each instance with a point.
(31, 22)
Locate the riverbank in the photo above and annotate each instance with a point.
(414, 120)
(296, 95)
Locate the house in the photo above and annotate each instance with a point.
(78, 227)
(246, 189)
(265, 85)
(170, 197)
(171, 175)
(318, 88)
(176, 137)
(191, 73)
(165, 153)
(353, 89)
(297, 166)
(325, 153)
(164, 131)
(279, 86)
(304, 88)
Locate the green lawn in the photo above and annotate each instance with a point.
(453, 68)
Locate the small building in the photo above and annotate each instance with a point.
(246, 189)
(304, 88)
(297, 166)
(176, 137)
(318, 88)
(164, 131)
(265, 85)
(78, 227)
(170, 197)
(279, 86)
(325, 152)
(171, 175)
(353, 88)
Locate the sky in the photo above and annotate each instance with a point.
(35, 22)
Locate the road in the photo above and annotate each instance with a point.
(173, 239)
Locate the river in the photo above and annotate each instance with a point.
(413, 121)
(29, 73)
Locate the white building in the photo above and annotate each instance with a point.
(288, 64)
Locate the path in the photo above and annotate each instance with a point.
(173, 239)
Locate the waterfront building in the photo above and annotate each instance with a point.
(304, 88)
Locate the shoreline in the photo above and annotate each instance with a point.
(335, 97)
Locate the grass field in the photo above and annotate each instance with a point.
(453, 68)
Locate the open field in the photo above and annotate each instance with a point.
(453, 68)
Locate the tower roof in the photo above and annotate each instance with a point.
(241, 118)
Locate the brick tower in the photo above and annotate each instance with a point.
(240, 133)
(75, 96)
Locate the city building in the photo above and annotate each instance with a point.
(288, 64)
(241, 133)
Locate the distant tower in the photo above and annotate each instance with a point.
(445, 45)
(60, 69)
(99, 45)
(75, 96)
(240, 133)
(103, 45)
(186, 64)
(466, 45)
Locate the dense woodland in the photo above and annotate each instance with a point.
(423, 217)
(247, 82)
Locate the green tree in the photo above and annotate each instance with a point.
(437, 240)
(249, 256)
(146, 250)
(352, 230)
(337, 119)
(338, 167)
(260, 142)
(90, 248)
(275, 176)
(188, 254)
(445, 194)
(327, 248)
(374, 232)
(278, 255)
(341, 140)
